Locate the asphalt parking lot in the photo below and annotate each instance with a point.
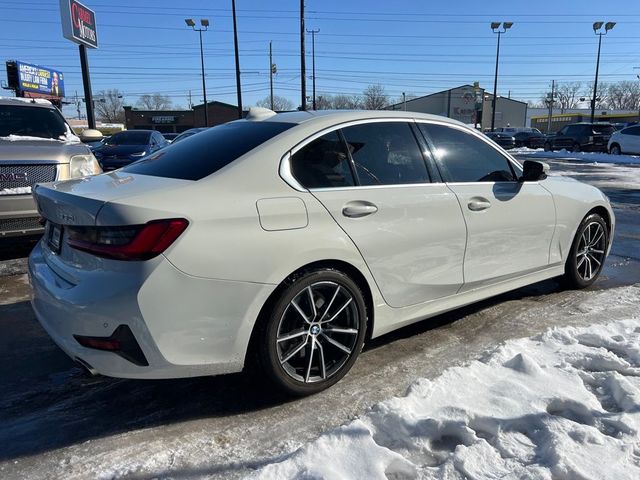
(56, 421)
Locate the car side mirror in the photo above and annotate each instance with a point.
(533, 171)
(90, 135)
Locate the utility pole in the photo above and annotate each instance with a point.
(313, 62)
(235, 42)
(550, 101)
(272, 70)
(404, 101)
(190, 104)
(303, 71)
(204, 27)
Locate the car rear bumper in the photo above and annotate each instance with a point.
(185, 326)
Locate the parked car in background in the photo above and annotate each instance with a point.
(513, 130)
(122, 148)
(283, 242)
(188, 133)
(530, 139)
(581, 137)
(505, 140)
(626, 140)
(36, 145)
(170, 137)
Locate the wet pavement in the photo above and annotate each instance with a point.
(55, 421)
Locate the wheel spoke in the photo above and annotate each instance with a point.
(313, 346)
(351, 331)
(299, 310)
(336, 344)
(592, 257)
(321, 353)
(330, 303)
(582, 258)
(588, 269)
(593, 250)
(292, 336)
(290, 356)
(339, 311)
(598, 236)
(312, 301)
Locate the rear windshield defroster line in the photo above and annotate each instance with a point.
(201, 155)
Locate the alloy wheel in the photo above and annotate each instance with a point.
(591, 251)
(318, 332)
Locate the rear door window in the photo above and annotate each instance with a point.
(323, 163)
(386, 153)
(201, 155)
(603, 129)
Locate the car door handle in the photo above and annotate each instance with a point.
(358, 209)
(478, 205)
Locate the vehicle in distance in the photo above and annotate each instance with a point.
(188, 133)
(626, 140)
(170, 137)
(505, 140)
(581, 137)
(122, 148)
(36, 145)
(283, 242)
(529, 139)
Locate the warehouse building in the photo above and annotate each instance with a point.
(468, 104)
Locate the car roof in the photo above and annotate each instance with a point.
(340, 116)
(30, 102)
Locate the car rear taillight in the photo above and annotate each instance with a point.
(135, 242)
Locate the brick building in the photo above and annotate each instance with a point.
(176, 121)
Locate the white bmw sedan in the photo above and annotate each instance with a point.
(283, 242)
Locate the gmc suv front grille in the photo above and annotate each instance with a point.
(16, 175)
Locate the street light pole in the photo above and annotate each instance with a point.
(303, 72)
(596, 27)
(495, 27)
(271, 72)
(313, 62)
(205, 26)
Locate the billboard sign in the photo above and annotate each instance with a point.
(78, 23)
(32, 78)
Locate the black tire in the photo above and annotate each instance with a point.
(574, 276)
(547, 147)
(615, 149)
(576, 147)
(331, 289)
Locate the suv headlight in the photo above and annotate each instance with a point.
(83, 165)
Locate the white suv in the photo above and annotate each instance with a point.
(36, 145)
(626, 140)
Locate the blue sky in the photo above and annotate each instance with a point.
(416, 47)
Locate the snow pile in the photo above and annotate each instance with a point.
(563, 405)
(591, 157)
(15, 191)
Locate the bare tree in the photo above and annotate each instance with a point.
(324, 102)
(374, 98)
(347, 102)
(280, 104)
(568, 95)
(109, 105)
(155, 101)
(624, 95)
(601, 101)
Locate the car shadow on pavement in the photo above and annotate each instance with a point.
(49, 403)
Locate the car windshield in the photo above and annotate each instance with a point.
(29, 121)
(205, 153)
(603, 129)
(130, 137)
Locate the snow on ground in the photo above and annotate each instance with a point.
(15, 191)
(591, 157)
(564, 404)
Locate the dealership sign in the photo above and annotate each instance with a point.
(78, 23)
(32, 78)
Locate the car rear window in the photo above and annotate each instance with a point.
(130, 137)
(207, 152)
(603, 129)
